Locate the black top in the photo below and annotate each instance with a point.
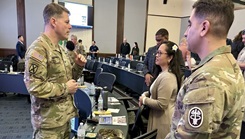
(125, 49)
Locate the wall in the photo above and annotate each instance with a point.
(9, 30)
(34, 19)
(105, 25)
(135, 22)
(238, 24)
(166, 16)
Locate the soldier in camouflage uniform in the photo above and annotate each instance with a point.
(50, 78)
(210, 103)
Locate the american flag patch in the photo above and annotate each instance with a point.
(37, 56)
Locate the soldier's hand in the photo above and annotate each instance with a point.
(72, 86)
(80, 59)
(148, 78)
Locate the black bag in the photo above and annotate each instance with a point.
(145, 111)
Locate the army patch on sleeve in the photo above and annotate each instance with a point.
(195, 117)
(33, 68)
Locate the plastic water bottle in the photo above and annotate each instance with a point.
(128, 66)
(141, 58)
(92, 89)
(100, 101)
(11, 68)
(81, 131)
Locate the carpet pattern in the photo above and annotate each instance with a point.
(15, 118)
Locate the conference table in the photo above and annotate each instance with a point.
(130, 78)
(13, 82)
(122, 111)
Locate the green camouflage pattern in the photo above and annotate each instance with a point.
(47, 69)
(213, 97)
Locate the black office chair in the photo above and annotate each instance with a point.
(106, 79)
(139, 67)
(139, 127)
(122, 63)
(97, 73)
(149, 135)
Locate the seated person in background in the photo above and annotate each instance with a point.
(125, 48)
(93, 50)
(20, 47)
(135, 50)
(163, 91)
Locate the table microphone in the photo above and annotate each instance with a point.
(70, 45)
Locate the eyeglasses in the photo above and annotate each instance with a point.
(159, 53)
(243, 32)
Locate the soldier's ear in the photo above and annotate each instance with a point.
(205, 25)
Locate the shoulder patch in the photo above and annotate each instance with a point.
(37, 56)
(195, 117)
(33, 68)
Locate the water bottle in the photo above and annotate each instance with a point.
(100, 101)
(11, 68)
(81, 131)
(92, 89)
(6, 68)
(141, 58)
(128, 66)
(105, 100)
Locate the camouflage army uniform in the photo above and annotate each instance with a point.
(46, 73)
(80, 49)
(210, 102)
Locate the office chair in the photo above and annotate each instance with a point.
(122, 63)
(84, 106)
(97, 73)
(149, 135)
(139, 66)
(106, 79)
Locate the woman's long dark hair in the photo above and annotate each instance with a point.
(174, 65)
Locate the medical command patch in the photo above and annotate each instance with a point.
(195, 117)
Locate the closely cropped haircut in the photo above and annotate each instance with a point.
(53, 9)
(19, 36)
(220, 14)
(163, 32)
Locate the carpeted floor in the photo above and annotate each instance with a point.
(15, 122)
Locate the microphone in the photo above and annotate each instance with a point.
(70, 45)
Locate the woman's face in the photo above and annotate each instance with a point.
(162, 58)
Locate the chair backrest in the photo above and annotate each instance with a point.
(82, 103)
(97, 73)
(106, 79)
(3, 63)
(122, 63)
(87, 64)
(107, 59)
(149, 135)
(138, 126)
(91, 65)
(139, 67)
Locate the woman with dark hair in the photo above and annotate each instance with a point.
(237, 45)
(163, 91)
(135, 50)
